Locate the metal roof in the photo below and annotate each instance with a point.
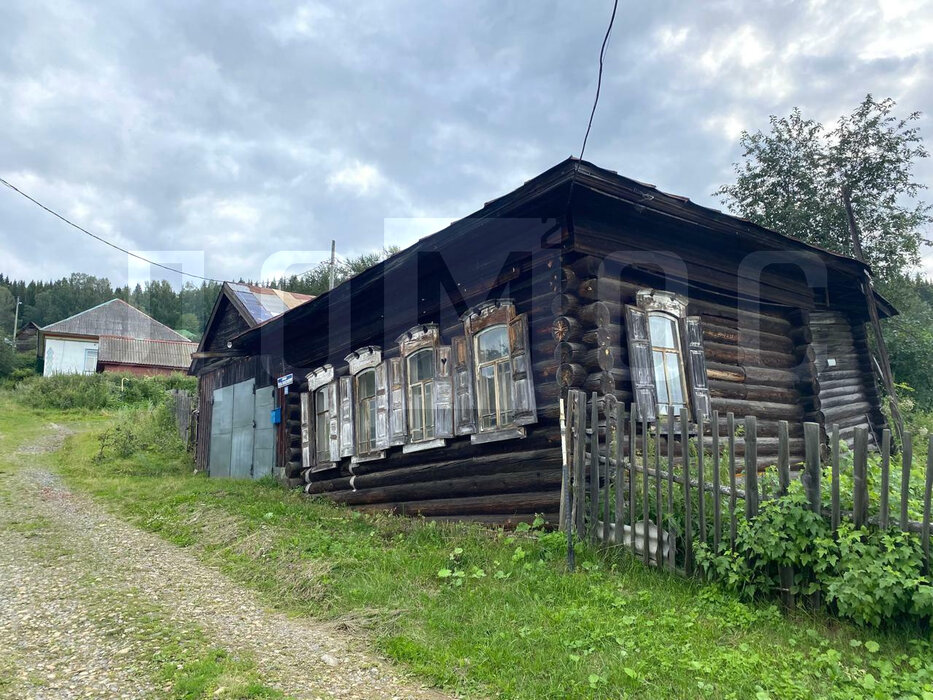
(114, 317)
(137, 351)
(263, 303)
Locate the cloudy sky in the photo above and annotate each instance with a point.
(255, 132)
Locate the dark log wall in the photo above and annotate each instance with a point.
(499, 482)
(846, 390)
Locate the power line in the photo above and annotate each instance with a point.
(599, 79)
(104, 240)
(599, 84)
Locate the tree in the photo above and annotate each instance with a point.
(791, 179)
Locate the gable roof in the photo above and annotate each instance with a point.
(114, 317)
(555, 185)
(173, 354)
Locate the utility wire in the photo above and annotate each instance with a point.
(103, 240)
(599, 84)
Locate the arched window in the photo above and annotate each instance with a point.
(494, 378)
(365, 391)
(667, 358)
(421, 394)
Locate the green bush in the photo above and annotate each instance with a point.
(97, 391)
(148, 430)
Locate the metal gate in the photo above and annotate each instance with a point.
(242, 442)
(264, 434)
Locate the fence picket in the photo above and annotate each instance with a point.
(751, 466)
(927, 492)
(884, 514)
(610, 434)
(907, 457)
(860, 477)
(659, 512)
(783, 457)
(733, 498)
(834, 483)
(632, 446)
(688, 515)
(619, 420)
(645, 501)
(717, 496)
(811, 474)
(594, 469)
(670, 485)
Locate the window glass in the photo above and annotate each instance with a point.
(366, 410)
(494, 378)
(663, 331)
(421, 395)
(668, 361)
(322, 425)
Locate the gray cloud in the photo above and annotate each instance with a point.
(242, 129)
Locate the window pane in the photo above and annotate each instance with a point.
(659, 378)
(505, 392)
(421, 366)
(663, 333)
(429, 410)
(417, 412)
(492, 344)
(487, 394)
(366, 384)
(674, 378)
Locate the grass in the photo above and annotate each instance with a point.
(494, 613)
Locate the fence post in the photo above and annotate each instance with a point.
(717, 496)
(733, 491)
(701, 478)
(860, 478)
(751, 467)
(609, 402)
(632, 450)
(783, 457)
(619, 418)
(811, 474)
(579, 457)
(645, 502)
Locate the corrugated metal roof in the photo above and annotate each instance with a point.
(263, 303)
(114, 317)
(154, 353)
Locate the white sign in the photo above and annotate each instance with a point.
(285, 381)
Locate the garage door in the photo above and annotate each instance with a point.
(241, 459)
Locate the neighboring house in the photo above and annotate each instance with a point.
(27, 338)
(72, 346)
(236, 394)
(143, 356)
(430, 383)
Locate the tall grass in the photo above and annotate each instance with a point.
(96, 392)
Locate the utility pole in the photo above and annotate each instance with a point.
(884, 362)
(333, 263)
(16, 320)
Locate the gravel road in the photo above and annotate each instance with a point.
(90, 606)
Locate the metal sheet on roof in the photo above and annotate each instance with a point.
(263, 303)
(145, 352)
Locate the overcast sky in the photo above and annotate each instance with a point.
(245, 129)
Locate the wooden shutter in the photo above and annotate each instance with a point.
(382, 405)
(333, 418)
(641, 364)
(307, 431)
(443, 393)
(692, 331)
(398, 423)
(523, 389)
(345, 416)
(464, 403)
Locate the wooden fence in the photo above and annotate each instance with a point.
(184, 406)
(658, 489)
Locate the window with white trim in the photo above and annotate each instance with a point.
(420, 371)
(365, 391)
(322, 413)
(493, 378)
(667, 357)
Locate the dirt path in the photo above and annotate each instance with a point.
(92, 607)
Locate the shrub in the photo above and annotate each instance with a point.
(97, 391)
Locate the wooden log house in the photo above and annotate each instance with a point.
(430, 383)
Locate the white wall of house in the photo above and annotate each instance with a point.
(69, 356)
